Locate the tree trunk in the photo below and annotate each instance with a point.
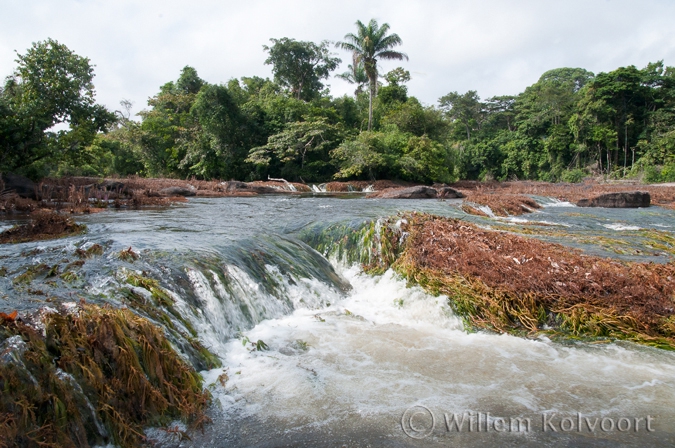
(370, 105)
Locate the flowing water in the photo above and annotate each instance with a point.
(349, 359)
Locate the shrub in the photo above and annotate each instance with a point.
(574, 176)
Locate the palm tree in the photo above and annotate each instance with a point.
(355, 75)
(369, 44)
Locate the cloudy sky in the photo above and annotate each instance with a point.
(493, 46)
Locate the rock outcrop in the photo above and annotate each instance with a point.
(235, 186)
(625, 199)
(449, 193)
(417, 192)
(178, 191)
(22, 186)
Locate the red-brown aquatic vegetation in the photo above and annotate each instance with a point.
(92, 376)
(508, 283)
(501, 204)
(128, 255)
(660, 195)
(11, 317)
(43, 226)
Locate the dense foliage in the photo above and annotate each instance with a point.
(568, 125)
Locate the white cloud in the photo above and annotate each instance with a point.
(492, 46)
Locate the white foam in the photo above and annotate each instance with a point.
(553, 202)
(385, 347)
(487, 210)
(619, 227)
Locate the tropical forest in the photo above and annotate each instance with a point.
(568, 125)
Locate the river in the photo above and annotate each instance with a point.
(349, 359)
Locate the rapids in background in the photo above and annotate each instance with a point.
(316, 352)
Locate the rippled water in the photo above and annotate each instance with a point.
(347, 353)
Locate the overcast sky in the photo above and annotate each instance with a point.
(496, 47)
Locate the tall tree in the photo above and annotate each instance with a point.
(293, 143)
(465, 109)
(369, 44)
(51, 86)
(300, 66)
(615, 106)
(168, 130)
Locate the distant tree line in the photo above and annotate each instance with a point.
(569, 124)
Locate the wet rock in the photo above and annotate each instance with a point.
(178, 191)
(20, 185)
(625, 199)
(417, 192)
(449, 193)
(12, 350)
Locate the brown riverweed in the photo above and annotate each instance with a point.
(507, 283)
(91, 375)
(500, 204)
(43, 226)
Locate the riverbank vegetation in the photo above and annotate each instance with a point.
(569, 125)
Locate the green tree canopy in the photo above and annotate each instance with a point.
(50, 86)
(465, 109)
(300, 66)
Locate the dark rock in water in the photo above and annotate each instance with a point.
(625, 199)
(417, 192)
(449, 193)
(177, 191)
(20, 185)
(234, 186)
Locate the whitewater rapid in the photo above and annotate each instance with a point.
(346, 373)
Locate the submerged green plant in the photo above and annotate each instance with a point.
(30, 273)
(260, 345)
(69, 277)
(161, 307)
(159, 294)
